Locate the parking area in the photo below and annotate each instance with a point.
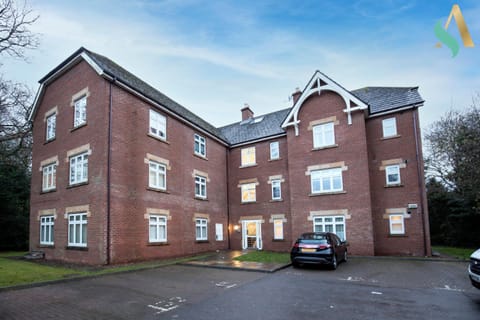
(363, 288)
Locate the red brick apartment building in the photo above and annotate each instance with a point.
(123, 173)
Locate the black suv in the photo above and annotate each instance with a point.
(319, 248)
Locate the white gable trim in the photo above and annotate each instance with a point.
(315, 86)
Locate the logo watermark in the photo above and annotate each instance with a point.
(448, 40)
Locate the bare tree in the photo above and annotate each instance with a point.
(15, 36)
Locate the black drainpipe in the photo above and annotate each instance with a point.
(227, 158)
(109, 159)
(420, 181)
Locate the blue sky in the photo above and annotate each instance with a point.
(214, 56)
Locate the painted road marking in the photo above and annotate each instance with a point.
(167, 305)
(226, 285)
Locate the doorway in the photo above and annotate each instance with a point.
(252, 234)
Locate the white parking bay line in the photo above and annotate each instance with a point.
(167, 305)
(376, 292)
(447, 287)
(226, 285)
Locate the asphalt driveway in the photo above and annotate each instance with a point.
(363, 288)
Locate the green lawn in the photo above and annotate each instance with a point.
(265, 257)
(16, 271)
(459, 253)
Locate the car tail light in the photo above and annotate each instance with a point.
(324, 246)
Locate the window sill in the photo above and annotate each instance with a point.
(78, 127)
(248, 165)
(200, 198)
(76, 248)
(158, 244)
(276, 200)
(200, 156)
(390, 137)
(278, 240)
(326, 193)
(158, 190)
(202, 241)
(249, 202)
(164, 140)
(276, 159)
(325, 147)
(46, 246)
(398, 235)
(49, 140)
(393, 186)
(77, 184)
(48, 191)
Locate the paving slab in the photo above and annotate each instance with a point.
(225, 260)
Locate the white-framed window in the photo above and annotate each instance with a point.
(274, 150)
(392, 175)
(47, 230)
(77, 229)
(80, 111)
(335, 224)
(157, 175)
(51, 126)
(158, 124)
(278, 229)
(276, 190)
(249, 191)
(397, 225)
(248, 156)
(157, 228)
(326, 180)
(323, 135)
(201, 230)
(49, 177)
(79, 168)
(199, 145)
(389, 127)
(200, 187)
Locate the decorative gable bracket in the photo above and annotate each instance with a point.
(318, 83)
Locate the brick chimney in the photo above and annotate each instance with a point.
(296, 95)
(247, 113)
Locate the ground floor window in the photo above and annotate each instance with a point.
(397, 225)
(335, 224)
(157, 228)
(77, 230)
(201, 229)
(46, 230)
(278, 229)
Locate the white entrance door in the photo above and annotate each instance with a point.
(252, 234)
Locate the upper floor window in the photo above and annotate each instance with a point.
(392, 175)
(201, 230)
(199, 145)
(157, 228)
(248, 156)
(249, 192)
(77, 230)
(396, 224)
(157, 175)
(274, 150)
(51, 126)
(47, 230)
(79, 168)
(323, 135)
(158, 124)
(389, 127)
(80, 112)
(49, 177)
(276, 190)
(326, 180)
(200, 187)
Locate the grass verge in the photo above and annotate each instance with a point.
(459, 253)
(265, 257)
(15, 271)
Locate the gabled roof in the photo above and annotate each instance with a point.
(260, 127)
(112, 71)
(384, 99)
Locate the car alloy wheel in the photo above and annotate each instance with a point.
(345, 258)
(334, 262)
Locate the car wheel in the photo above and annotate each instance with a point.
(345, 258)
(334, 262)
(295, 264)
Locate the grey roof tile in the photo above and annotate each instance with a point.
(253, 129)
(381, 99)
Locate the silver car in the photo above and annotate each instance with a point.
(474, 269)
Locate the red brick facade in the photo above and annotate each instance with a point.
(119, 204)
